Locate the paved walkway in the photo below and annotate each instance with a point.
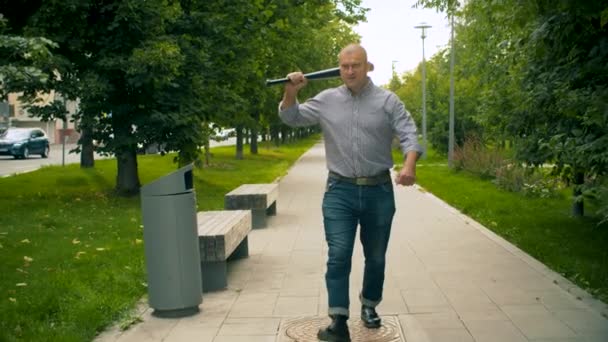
(448, 279)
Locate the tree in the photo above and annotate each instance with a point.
(565, 119)
(21, 61)
(538, 70)
(156, 72)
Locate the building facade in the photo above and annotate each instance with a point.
(13, 113)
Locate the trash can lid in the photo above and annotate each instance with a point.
(176, 182)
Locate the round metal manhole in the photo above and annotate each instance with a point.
(305, 330)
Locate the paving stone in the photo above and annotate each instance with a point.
(249, 327)
(495, 331)
(536, 322)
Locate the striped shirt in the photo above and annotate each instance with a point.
(358, 130)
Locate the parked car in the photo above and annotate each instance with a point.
(226, 133)
(221, 134)
(22, 142)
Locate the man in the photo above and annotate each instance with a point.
(358, 120)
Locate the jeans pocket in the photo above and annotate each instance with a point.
(387, 187)
(331, 183)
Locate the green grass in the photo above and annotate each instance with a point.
(543, 228)
(72, 252)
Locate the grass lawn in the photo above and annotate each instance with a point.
(72, 252)
(574, 247)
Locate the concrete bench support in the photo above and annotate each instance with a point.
(261, 199)
(222, 237)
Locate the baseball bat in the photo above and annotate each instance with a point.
(317, 75)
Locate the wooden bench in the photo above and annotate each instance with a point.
(222, 236)
(261, 199)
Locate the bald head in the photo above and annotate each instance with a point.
(353, 49)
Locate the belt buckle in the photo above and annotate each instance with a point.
(361, 181)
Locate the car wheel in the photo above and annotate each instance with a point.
(26, 153)
(45, 153)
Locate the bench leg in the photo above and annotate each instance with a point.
(258, 218)
(214, 275)
(272, 210)
(241, 251)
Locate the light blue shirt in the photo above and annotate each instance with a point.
(358, 130)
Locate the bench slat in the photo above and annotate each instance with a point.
(220, 232)
(252, 196)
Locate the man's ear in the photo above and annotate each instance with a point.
(370, 66)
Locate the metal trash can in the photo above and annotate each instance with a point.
(171, 244)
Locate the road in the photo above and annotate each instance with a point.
(10, 166)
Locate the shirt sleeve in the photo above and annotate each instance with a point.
(300, 115)
(404, 126)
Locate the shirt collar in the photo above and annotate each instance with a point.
(366, 90)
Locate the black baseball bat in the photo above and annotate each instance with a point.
(317, 75)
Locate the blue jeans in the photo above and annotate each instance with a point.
(346, 205)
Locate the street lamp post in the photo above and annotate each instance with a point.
(423, 27)
(451, 124)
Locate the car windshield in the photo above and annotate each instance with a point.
(14, 134)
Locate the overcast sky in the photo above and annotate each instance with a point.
(389, 35)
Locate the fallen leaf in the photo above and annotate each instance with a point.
(79, 254)
(21, 284)
(100, 249)
(137, 241)
(12, 299)
(22, 271)
(25, 241)
(75, 241)
(27, 259)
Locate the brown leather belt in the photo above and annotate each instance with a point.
(382, 178)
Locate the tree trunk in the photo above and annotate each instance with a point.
(253, 147)
(578, 206)
(253, 134)
(127, 178)
(274, 135)
(207, 152)
(239, 142)
(87, 156)
(284, 133)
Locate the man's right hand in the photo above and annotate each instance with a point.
(297, 82)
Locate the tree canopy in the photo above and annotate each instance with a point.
(158, 71)
(531, 73)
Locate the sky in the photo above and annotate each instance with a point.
(389, 35)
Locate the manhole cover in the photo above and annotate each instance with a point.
(305, 330)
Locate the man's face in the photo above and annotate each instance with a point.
(353, 70)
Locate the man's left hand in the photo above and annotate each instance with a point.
(406, 177)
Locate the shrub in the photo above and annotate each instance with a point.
(529, 181)
(475, 157)
(596, 190)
